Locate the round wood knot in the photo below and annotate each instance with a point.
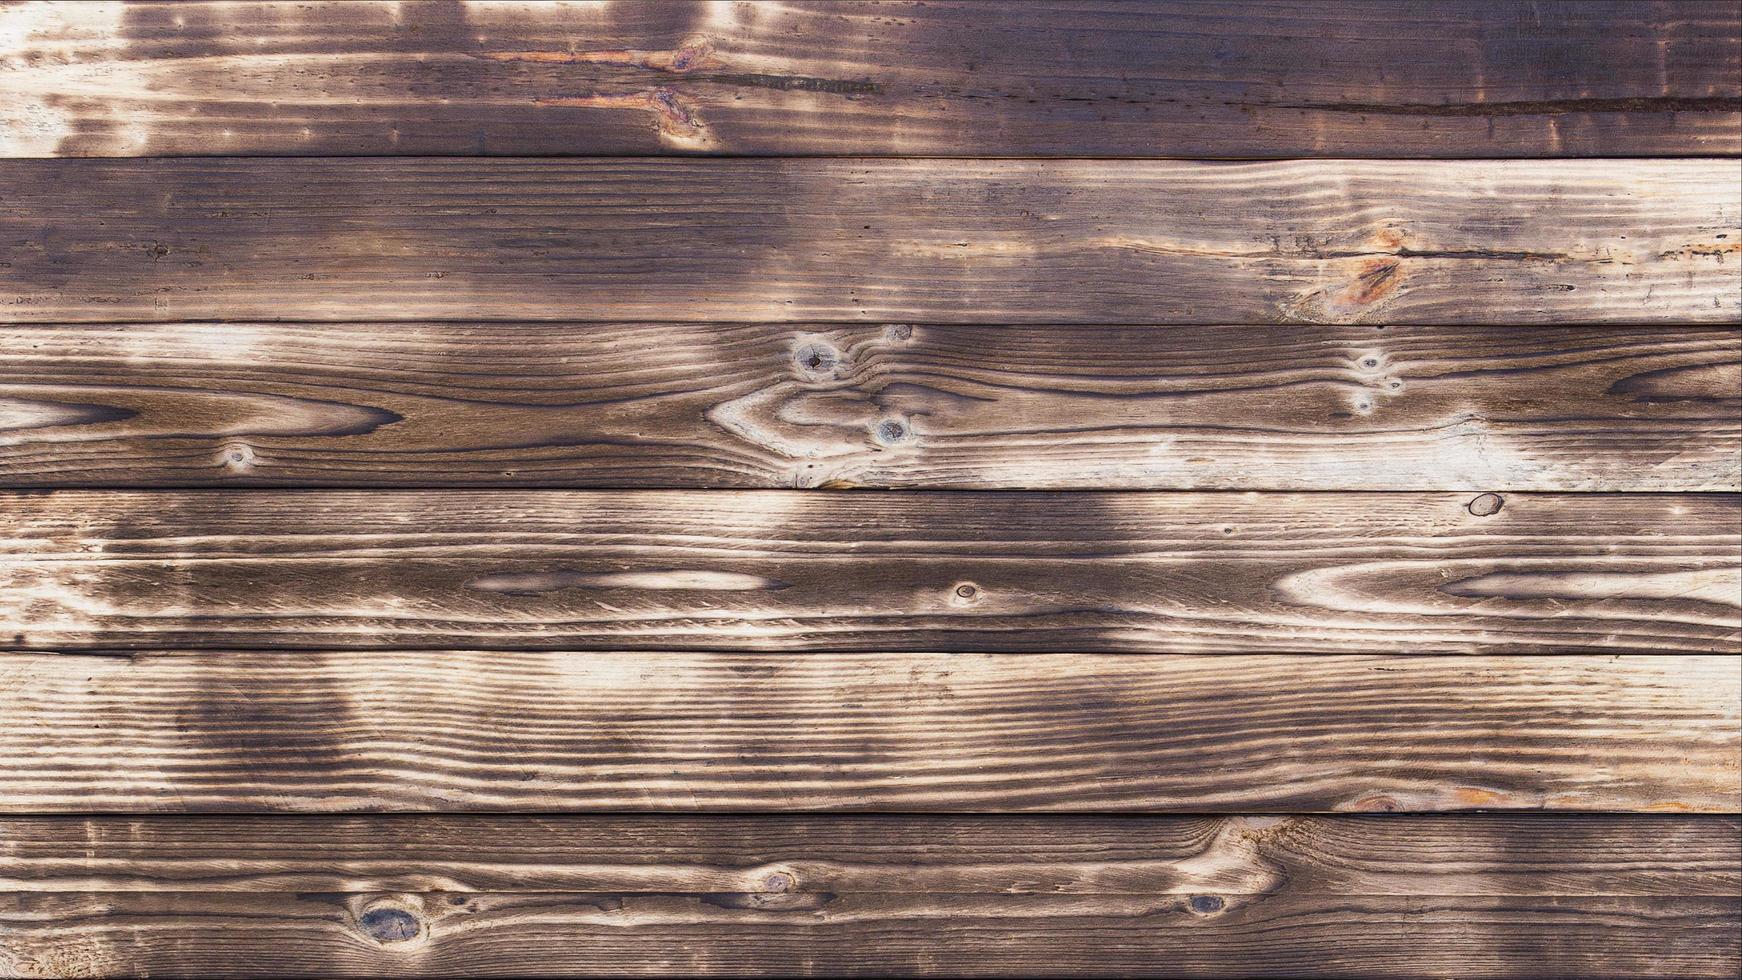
(1376, 803)
(387, 924)
(1206, 904)
(898, 332)
(967, 590)
(892, 432)
(692, 54)
(816, 358)
(236, 456)
(1487, 504)
(779, 881)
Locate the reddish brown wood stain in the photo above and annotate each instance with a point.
(1157, 488)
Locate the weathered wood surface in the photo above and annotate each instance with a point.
(207, 934)
(1523, 854)
(677, 405)
(795, 570)
(547, 731)
(980, 241)
(1504, 895)
(1456, 78)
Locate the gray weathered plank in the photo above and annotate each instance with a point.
(1293, 407)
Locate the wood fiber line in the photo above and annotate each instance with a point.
(792, 570)
(545, 731)
(984, 241)
(442, 935)
(1469, 854)
(819, 405)
(1471, 78)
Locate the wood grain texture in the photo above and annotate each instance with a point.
(1502, 895)
(205, 934)
(545, 731)
(795, 570)
(809, 405)
(958, 241)
(1357, 78)
(1493, 854)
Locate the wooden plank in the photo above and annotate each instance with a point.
(767, 405)
(838, 894)
(795, 570)
(206, 934)
(1476, 78)
(542, 731)
(960, 241)
(1493, 854)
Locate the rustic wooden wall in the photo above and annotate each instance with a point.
(617, 487)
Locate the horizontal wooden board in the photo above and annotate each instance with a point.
(1507, 895)
(796, 570)
(676, 405)
(1493, 854)
(206, 934)
(1358, 78)
(547, 731)
(960, 241)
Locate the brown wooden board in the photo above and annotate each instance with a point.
(677, 487)
(798, 570)
(549, 731)
(960, 241)
(1470, 895)
(1455, 78)
(442, 935)
(1494, 854)
(1292, 407)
